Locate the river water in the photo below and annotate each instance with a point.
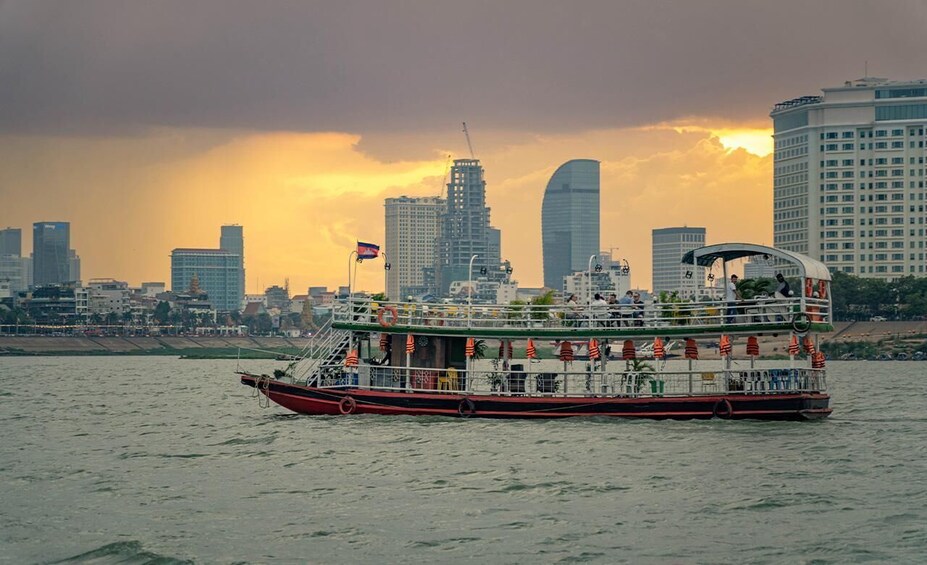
(159, 460)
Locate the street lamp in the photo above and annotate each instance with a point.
(470, 290)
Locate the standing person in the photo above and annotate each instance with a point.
(783, 289)
(638, 313)
(599, 308)
(732, 295)
(625, 305)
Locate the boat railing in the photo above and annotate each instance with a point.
(625, 382)
(647, 316)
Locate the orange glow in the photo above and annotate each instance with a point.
(305, 198)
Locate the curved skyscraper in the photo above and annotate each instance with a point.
(570, 220)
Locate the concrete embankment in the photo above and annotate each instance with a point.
(192, 346)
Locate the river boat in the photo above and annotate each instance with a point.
(413, 358)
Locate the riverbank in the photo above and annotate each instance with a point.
(228, 347)
(189, 347)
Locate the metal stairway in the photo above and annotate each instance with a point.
(326, 350)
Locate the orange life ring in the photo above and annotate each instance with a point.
(347, 405)
(381, 316)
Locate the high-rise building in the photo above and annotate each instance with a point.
(411, 240)
(848, 179)
(232, 239)
(11, 242)
(217, 271)
(669, 273)
(51, 246)
(73, 266)
(570, 220)
(465, 230)
(11, 263)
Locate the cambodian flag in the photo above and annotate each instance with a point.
(367, 250)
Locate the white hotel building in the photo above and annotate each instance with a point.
(848, 183)
(412, 226)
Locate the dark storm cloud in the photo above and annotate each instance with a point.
(81, 67)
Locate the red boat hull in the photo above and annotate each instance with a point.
(328, 401)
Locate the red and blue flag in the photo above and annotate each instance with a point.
(367, 250)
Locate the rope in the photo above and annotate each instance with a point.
(262, 384)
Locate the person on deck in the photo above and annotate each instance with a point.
(731, 296)
(638, 313)
(599, 309)
(625, 306)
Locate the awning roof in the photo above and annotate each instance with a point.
(706, 256)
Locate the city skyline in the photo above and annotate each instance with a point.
(305, 157)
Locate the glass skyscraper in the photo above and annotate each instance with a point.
(570, 220)
(218, 272)
(232, 239)
(51, 244)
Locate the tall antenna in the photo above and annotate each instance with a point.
(470, 145)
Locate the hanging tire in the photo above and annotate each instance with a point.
(723, 409)
(466, 408)
(347, 405)
(801, 323)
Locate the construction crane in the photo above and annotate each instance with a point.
(470, 145)
(447, 166)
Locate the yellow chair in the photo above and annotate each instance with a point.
(708, 381)
(449, 380)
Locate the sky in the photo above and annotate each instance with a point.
(148, 125)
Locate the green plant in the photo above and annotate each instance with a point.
(645, 371)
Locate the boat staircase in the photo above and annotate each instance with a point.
(324, 353)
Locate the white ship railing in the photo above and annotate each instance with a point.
(641, 317)
(616, 381)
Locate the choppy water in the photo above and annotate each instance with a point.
(155, 460)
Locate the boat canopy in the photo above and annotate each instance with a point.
(706, 256)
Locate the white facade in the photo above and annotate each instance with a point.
(411, 232)
(759, 268)
(105, 296)
(848, 181)
(669, 274)
(612, 279)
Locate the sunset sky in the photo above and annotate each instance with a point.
(147, 125)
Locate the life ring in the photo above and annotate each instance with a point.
(723, 409)
(381, 316)
(801, 323)
(466, 408)
(347, 405)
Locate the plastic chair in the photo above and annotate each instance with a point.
(449, 380)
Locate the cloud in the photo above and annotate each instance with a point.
(106, 66)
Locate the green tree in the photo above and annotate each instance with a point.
(162, 312)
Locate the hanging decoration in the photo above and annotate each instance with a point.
(659, 352)
(352, 359)
(793, 345)
(627, 351)
(566, 352)
(531, 352)
(808, 345)
(691, 349)
(725, 346)
(818, 360)
(594, 349)
(753, 346)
